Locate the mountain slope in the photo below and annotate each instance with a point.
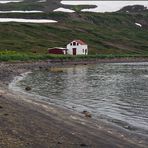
(113, 33)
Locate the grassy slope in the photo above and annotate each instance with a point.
(47, 6)
(104, 33)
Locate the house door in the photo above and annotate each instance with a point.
(74, 51)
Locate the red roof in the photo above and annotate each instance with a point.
(79, 41)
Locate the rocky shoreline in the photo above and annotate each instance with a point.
(28, 122)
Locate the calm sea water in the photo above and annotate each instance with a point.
(117, 92)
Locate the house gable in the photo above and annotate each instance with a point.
(77, 47)
(77, 43)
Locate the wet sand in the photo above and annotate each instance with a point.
(27, 122)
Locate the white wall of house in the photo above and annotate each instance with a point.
(80, 49)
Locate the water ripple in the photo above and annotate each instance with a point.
(117, 93)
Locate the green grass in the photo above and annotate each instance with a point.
(22, 6)
(105, 34)
(78, 8)
(20, 56)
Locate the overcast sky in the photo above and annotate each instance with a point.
(106, 6)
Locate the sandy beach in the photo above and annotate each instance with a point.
(27, 122)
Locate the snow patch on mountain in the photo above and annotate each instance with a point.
(10, 1)
(42, 1)
(64, 10)
(27, 20)
(138, 24)
(19, 11)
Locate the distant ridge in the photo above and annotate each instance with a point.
(134, 9)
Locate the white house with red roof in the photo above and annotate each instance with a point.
(77, 47)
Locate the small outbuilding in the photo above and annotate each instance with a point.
(77, 47)
(57, 50)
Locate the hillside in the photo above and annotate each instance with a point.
(134, 9)
(107, 33)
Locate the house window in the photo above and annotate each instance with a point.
(77, 44)
(74, 43)
(71, 44)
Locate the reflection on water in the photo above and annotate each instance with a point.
(115, 92)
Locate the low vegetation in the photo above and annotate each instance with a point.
(21, 56)
(108, 35)
(78, 8)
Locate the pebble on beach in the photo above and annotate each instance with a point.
(87, 114)
(28, 88)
